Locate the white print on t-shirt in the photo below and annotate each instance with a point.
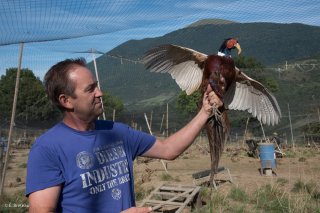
(84, 160)
(112, 172)
(116, 194)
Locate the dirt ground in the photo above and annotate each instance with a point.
(302, 165)
(245, 170)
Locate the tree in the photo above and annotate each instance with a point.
(270, 83)
(187, 104)
(32, 103)
(311, 128)
(111, 103)
(248, 63)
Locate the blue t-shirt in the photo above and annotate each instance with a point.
(94, 167)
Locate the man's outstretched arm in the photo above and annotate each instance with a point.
(171, 147)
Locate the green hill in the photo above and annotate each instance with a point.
(272, 44)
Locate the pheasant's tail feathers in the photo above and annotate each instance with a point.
(218, 132)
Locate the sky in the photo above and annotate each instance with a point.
(105, 24)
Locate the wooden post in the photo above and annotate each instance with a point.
(264, 135)
(114, 115)
(1, 157)
(167, 120)
(151, 119)
(292, 140)
(161, 122)
(14, 107)
(164, 164)
(245, 132)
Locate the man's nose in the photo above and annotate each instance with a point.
(99, 93)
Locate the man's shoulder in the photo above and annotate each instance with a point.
(50, 135)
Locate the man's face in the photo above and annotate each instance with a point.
(87, 103)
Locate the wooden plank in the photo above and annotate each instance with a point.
(165, 202)
(206, 173)
(151, 194)
(197, 189)
(180, 196)
(169, 194)
(172, 188)
(172, 199)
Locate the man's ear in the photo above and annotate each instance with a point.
(65, 101)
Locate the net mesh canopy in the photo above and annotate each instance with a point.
(45, 20)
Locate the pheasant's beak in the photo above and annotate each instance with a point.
(238, 48)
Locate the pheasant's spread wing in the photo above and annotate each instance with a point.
(248, 94)
(185, 65)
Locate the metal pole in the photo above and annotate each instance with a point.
(97, 76)
(14, 106)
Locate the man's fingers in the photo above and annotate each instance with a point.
(144, 209)
(214, 100)
(209, 89)
(138, 210)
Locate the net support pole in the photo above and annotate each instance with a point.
(163, 163)
(97, 76)
(13, 113)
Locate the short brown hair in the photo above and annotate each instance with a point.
(57, 82)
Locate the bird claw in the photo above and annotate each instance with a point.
(215, 112)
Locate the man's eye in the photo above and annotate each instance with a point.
(92, 87)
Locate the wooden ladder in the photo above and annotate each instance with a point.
(169, 197)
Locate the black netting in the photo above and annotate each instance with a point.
(45, 20)
(54, 30)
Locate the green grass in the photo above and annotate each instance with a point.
(14, 203)
(237, 194)
(282, 181)
(166, 177)
(270, 199)
(303, 198)
(23, 165)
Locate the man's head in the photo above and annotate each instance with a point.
(71, 86)
(57, 80)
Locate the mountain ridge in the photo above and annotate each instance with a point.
(272, 44)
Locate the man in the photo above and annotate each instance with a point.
(86, 165)
(228, 45)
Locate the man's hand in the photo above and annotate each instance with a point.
(138, 210)
(210, 100)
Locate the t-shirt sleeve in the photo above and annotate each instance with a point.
(139, 142)
(43, 169)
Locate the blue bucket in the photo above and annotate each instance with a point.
(267, 155)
